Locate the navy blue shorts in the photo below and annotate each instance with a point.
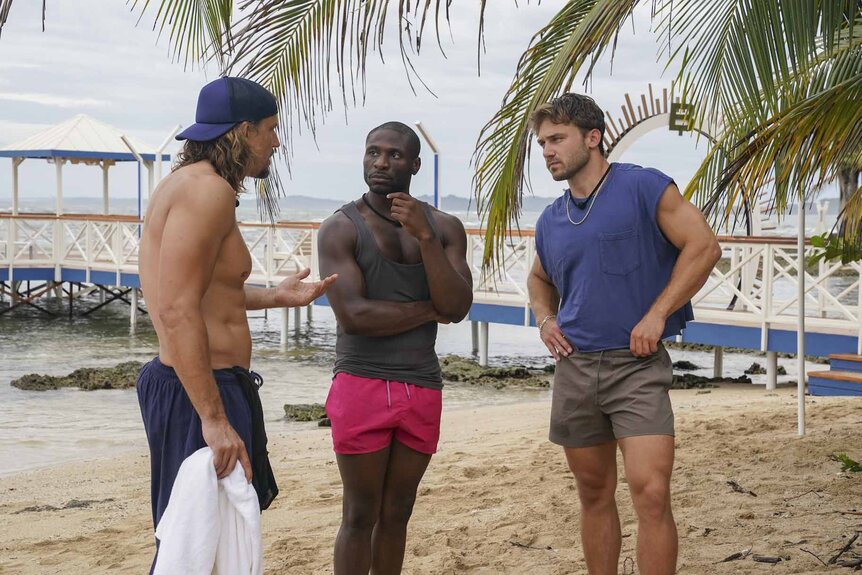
(173, 426)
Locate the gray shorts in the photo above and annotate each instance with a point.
(607, 395)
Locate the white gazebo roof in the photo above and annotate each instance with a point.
(81, 138)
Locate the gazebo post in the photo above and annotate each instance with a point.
(58, 165)
(15, 163)
(150, 179)
(105, 167)
(159, 152)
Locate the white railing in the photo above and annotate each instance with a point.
(754, 285)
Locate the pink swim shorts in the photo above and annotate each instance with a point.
(367, 413)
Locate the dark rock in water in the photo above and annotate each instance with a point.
(703, 347)
(685, 365)
(691, 381)
(304, 412)
(550, 368)
(121, 376)
(458, 369)
(756, 369)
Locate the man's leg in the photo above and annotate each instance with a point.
(595, 470)
(363, 478)
(405, 471)
(648, 461)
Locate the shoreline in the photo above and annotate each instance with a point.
(497, 498)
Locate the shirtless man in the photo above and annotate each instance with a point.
(402, 269)
(193, 267)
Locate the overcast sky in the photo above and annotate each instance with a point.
(94, 59)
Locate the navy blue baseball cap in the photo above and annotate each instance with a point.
(224, 103)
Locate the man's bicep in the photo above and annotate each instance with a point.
(539, 271)
(191, 241)
(336, 253)
(678, 219)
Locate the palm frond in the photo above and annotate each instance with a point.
(579, 32)
(798, 149)
(199, 30)
(6, 7)
(850, 224)
(737, 54)
(296, 48)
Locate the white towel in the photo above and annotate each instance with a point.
(211, 526)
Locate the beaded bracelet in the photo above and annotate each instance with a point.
(544, 321)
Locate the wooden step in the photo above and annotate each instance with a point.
(835, 383)
(845, 362)
(852, 376)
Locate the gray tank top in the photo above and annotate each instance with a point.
(408, 356)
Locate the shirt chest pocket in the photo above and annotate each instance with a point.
(620, 252)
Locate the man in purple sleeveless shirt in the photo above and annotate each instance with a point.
(620, 254)
(402, 270)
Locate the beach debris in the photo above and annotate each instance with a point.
(740, 489)
(71, 504)
(737, 556)
(685, 365)
(304, 412)
(768, 559)
(121, 376)
(813, 554)
(459, 369)
(847, 464)
(524, 546)
(816, 492)
(857, 563)
(845, 549)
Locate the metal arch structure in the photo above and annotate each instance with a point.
(651, 113)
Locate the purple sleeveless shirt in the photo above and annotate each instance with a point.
(611, 268)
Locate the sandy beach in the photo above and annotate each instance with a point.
(498, 497)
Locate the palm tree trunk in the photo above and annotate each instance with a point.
(848, 183)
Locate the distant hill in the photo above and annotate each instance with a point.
(449, 203)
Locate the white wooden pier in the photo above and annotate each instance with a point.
(748, 302)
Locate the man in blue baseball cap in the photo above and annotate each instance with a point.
(193, 266)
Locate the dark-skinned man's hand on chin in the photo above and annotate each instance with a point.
(411, 213)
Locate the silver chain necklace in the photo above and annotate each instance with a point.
(595, 194)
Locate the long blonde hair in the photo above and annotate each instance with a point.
(228, 154)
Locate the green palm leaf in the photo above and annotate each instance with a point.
(199, 30)
(296, 48)
(802, 143)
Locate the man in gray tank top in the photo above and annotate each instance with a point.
(402, 269)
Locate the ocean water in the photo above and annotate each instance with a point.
(44, 428)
